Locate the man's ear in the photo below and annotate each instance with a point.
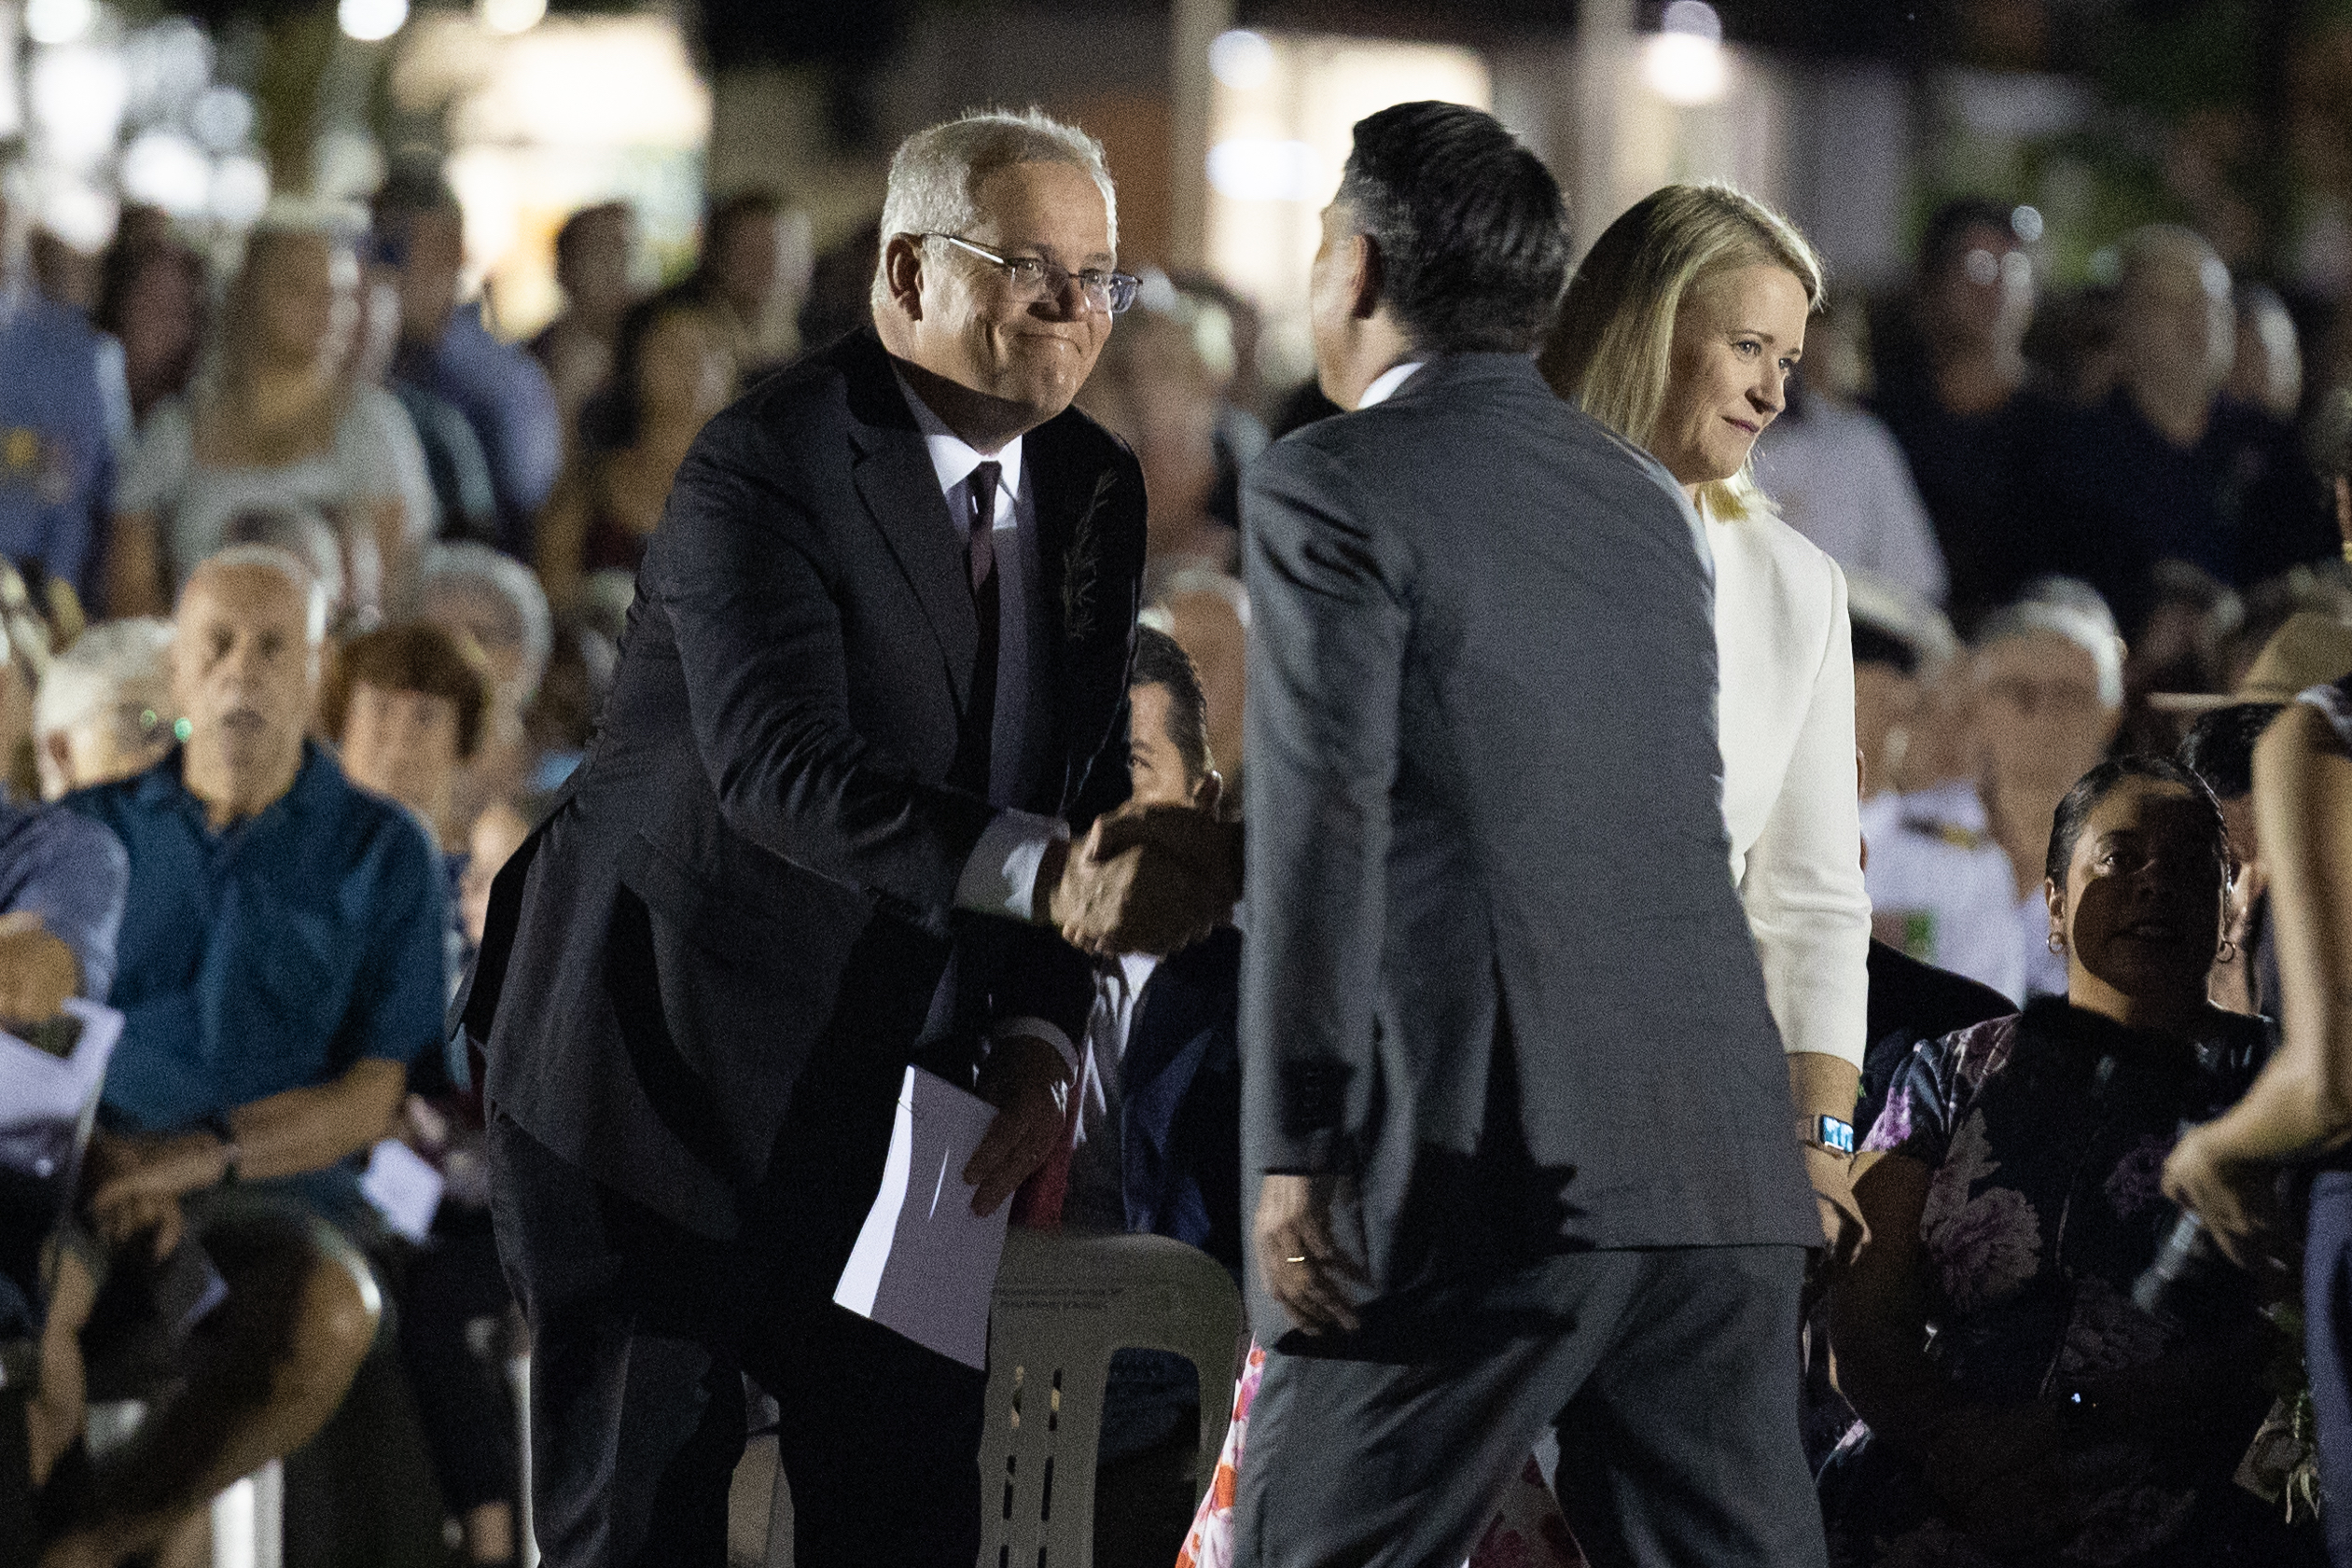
(57, 755)
(903, 274)
(1365, 273)
(1209, 793)
(2054, 898)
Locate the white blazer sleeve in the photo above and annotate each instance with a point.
(1803, 883)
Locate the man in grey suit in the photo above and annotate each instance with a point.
(1511, 1094)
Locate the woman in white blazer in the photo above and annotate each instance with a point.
(1679, 331)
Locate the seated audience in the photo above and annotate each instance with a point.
(405, 708)
(2267, 372)
(1940, 887)
(280, 965)
(2048, 674)
(593, 254)
(104, 711)
(2179, 643)
(279, 427)
(1208, 612)
(671, 373)
(1952, 386)
(499, 830)
(2309, 651)
(494, 600)
(454, 462)
(1152, 389)
(754, 270)
(2166, 467)
(152, 297)
(64, 412)
(447, 350)
(2019, 1408)
(1838, 475)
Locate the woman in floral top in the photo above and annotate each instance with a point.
(2019, 1410)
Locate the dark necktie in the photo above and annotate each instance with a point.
(980, 562)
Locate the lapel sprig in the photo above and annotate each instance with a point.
(1082, 564)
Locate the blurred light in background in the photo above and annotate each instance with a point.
(75, 210)
(240, 189)
(1277, 140)
(573, 110)
(1253, 169)
(167, 170)
(78, 93)
(2025, 222)
(59, 22)
(512, 16)
(1684, 63)
(222, 119)
(371, 21)
(1242, 60)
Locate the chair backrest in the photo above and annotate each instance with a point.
(1063, 1305)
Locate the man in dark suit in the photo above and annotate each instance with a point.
(1511, 1096)
(875, 670)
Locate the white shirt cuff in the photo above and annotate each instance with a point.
(1037, 1028)
(1001, 877)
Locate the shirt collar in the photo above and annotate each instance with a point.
(953, 458)
(166, 782)
(1390, 381)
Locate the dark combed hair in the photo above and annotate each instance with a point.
(413, 656)
(1876, 645)
(1161, 660)
(2219, 746)
(1471, 227)
(2065, 823)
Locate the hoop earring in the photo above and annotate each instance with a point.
(2229, 951)
(2057, 945)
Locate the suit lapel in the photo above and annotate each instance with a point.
(901, 491)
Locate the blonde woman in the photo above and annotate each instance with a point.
(273, 424)
(1679, 331)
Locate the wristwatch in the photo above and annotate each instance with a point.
(1827, 1132)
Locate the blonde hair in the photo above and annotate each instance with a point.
(1611, 347)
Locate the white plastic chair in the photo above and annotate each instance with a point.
(1063, 1305)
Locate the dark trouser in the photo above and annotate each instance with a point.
(461, 1394)
(641, 1332)
(1670, 1375)
(2326, 1296)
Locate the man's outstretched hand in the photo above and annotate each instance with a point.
(1146, 878)
(1028, 1082)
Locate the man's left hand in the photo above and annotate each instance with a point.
(1029, 1083)
(37, 970)
(2236, 1199)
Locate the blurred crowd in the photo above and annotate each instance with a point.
(315, 533)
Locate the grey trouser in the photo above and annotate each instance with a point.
(1671, 1376)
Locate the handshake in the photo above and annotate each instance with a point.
(1146, 878)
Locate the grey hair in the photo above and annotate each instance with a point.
(477, 566)
(104, 664)
(285, 564)
(2063, 607)
(935, 172)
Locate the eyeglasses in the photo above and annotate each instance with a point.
(1033, 278)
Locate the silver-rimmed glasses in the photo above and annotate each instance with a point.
(1033, 278)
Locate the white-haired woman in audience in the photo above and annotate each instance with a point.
(2048, 673)
(274, 422)
(494, 600)
(104, 711)
(1679, 331)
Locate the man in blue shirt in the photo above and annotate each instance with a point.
(446, 350)
(281, 964)
(63, 412)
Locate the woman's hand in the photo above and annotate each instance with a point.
(2235, 1198)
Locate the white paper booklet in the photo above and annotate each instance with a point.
(40, 1089)
(404, 1187)
(924, 1264)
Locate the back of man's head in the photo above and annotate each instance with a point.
(2219, 746)
(1471, 227)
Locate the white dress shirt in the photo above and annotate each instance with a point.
(1001, 876)
(1784, 714)
(1385, 384)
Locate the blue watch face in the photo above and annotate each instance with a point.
(1836, 1134)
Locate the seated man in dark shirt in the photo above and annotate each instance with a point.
(2168, 467)
(280, 966)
